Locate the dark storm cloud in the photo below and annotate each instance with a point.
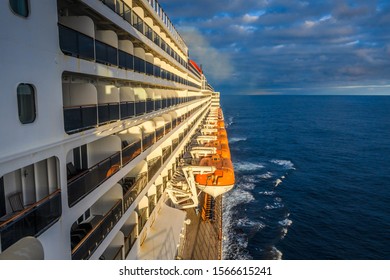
(275, 45)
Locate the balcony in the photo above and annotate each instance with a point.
(88, 244)
(76, 44)
(80, 118)
(153, 166)
(131, 151)
(106, 54)
(108, 112)
(147, 141)
(132, 187)
(81, 184)
(31, 221)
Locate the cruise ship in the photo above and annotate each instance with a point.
(112, 141)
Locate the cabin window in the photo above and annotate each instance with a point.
(26, 103)
(20, 7)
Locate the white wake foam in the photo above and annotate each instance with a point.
(237, 139)
(275, 205)
(268, 193)
(284, 163)
(286, 222)
(276, 254)
(247, 166)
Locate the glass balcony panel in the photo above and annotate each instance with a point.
(108, 112)
(127, 110)
(87, 181)
(131, 151)
(79, 118)
(132, 187)
(92, 240)
(106, 54)
(32, 221)
(140, 108)
(149, 106)
(126, 60)
(139, 64)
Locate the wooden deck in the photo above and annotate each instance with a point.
(203, 239)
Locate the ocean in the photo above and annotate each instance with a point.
(312, 177)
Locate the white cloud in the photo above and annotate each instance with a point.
(216, 64)
(253, 16)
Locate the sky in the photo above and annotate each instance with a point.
(286, 46)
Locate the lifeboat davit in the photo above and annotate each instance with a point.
(219, 182)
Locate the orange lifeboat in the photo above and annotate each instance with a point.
(222, 148)
(219, 182)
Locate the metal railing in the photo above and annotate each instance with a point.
(31, 221)
(81, 185)
(92, 240)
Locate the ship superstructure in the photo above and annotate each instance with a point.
(101, 107)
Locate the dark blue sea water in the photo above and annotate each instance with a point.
(312, 177)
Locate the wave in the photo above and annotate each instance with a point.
(247, 166)
(275, 205)
(237, 139)
(284, 163)
(268, 193)
(247, 186)
(276, 254)
(229, 122)
(246, 222)
(286, 222)
(267, 175)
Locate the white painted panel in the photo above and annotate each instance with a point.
(41, 180)
(79, 94)
(126, 46)
(52, 174)
(107, 36)
(107, 94)
(102, 149)
(82, 24)
(28, 184)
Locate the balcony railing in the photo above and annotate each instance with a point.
(75, 43)
(130, 239)
(153, 166)
(147, 141)
(79, 118)
(31, 221)
(131, 151)
(127, 110)
(132, 187)
(159, 133)
(140, 107)
(142, 219)
(88, 180)
(108, 112)
(149, 105)
(126, 60)
(92, 240)
(166, 153)
(105, 53)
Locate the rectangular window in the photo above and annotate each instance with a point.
(26, 103)
(19, 7)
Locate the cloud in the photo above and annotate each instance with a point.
(216, 64)
(263, 46)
